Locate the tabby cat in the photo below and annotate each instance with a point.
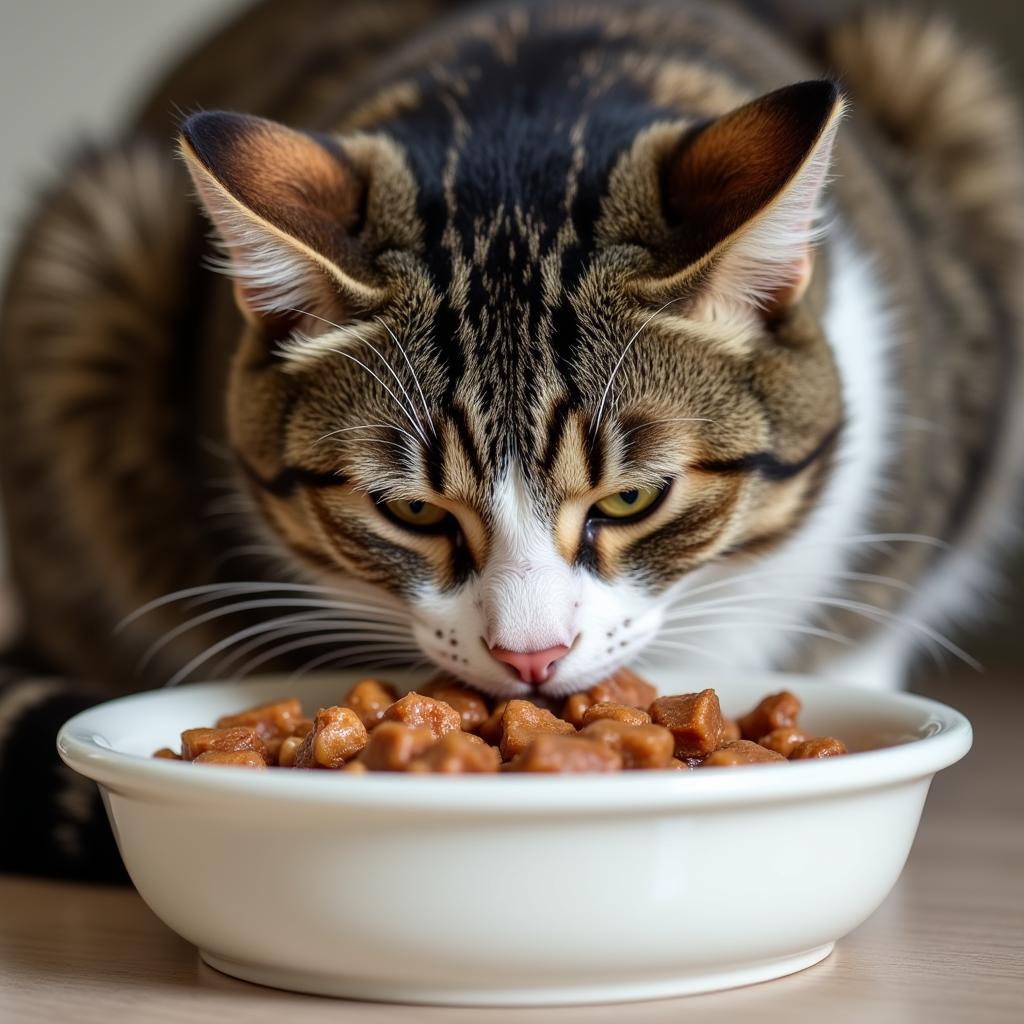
(547, 336)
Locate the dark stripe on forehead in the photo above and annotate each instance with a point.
(460, 422)
(481, 123)
(769, 465)
(288, 480)
(434, 459)
(555, 432)
(595, 459)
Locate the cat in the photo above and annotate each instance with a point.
(533, 339)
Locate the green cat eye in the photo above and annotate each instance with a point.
(627, 504)
(416, 513)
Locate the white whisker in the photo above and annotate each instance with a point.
(316, 641)
(404, 448)
(412, 420)
(241, 550)
(232, 589)
(233, 609)
(678, 645)
(368, 426)
(278, 629)
(671, 419)
(214, 649)
(415, 378)
(615, 369)
(762, 575)
(409, 410)
(338, 659)
(699, 611)
(709, 627)
(869, 611)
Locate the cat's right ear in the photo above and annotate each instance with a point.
(743, 196)
(286, 206)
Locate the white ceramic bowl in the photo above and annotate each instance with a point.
(511, 889)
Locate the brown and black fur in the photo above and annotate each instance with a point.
(116, 345)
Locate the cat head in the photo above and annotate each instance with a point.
(526, 387)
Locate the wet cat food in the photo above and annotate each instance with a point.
(523, 722)
(448, 729)
(338, 734)
(416, 709)
(369, 699)
(195, 742)
(555, 752)
(693, 719)
(740, 752)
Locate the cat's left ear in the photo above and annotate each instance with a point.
(286, 206)
(742, 196)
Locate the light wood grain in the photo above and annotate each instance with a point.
(948, 944)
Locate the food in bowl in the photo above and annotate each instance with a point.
(446, 728)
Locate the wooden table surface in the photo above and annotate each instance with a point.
(948, 944)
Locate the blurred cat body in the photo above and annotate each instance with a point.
(551, 335)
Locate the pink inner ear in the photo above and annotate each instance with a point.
(788, 295)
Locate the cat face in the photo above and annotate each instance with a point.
(525, 414)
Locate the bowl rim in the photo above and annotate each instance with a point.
(948, 737)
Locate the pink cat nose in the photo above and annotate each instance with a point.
(532, 666)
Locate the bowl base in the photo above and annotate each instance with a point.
(374, 990)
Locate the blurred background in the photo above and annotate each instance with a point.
(71, 70)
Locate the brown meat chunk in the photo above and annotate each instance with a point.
(783, 740)
(523, 722)
(458, 753)
(820, 746)
(416, 709)
(241, 758)
(269, 720)
(575, 708)
(338, 735)
(202, 741)
(624, 687)
(694, 719)
(550, 752)
(680, 766)
(369, 699)
(775, 711)
(273, 745)
(730, 730)
(167, 754)
(490, 731)
(469, 704)
(288, 751)
(392, 745)
(740, 752)
(639, 746)
(616, 712)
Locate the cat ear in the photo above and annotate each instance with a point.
(743, 196)
(285, 204)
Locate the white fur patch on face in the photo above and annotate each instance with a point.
(749, 616)
(527, 592)
(528, 598)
